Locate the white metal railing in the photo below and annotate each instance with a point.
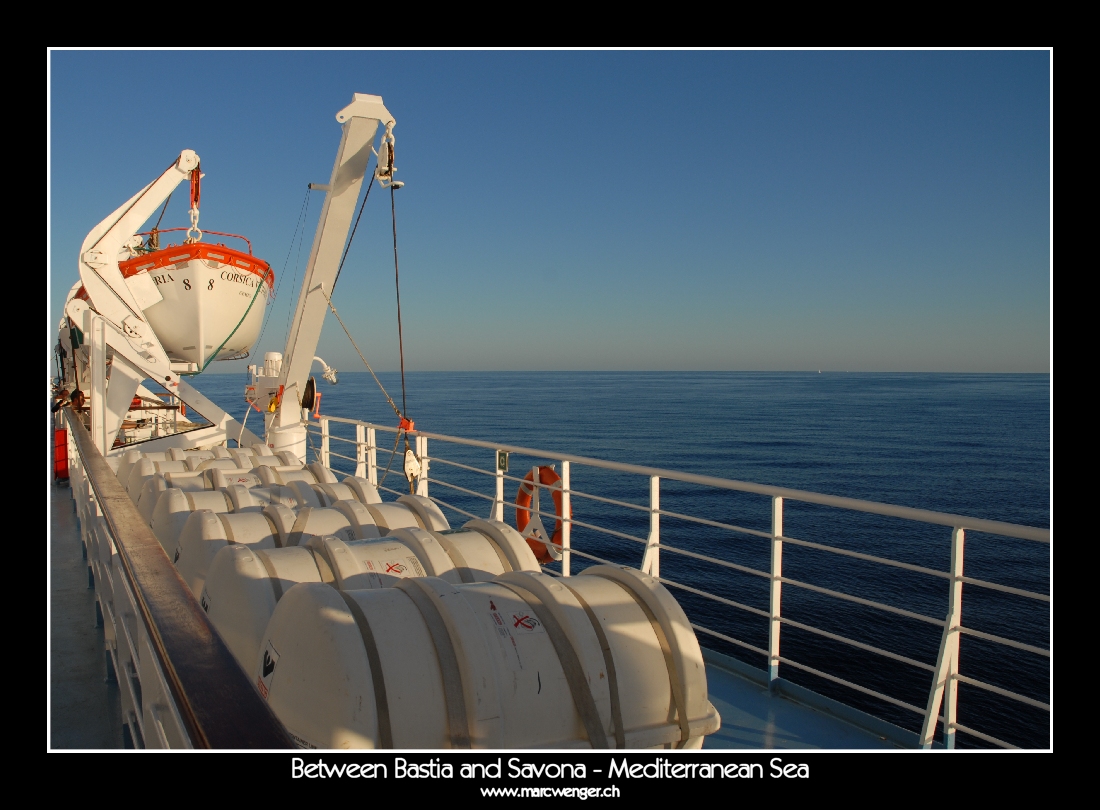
(163, 650)
(941, 706)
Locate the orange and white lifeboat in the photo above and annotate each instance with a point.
(213, 298)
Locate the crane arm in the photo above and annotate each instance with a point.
(107, 290)
(360, 121)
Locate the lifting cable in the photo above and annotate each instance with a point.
(406, 425)
(303, 212)
(389, 399)
(354, 228)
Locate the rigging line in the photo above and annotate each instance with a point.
(255, 295)
(397, 284)
(154, 235)
(297, 264)
(400, 342)
(396, 441)
(351, 238)
(282, 273)
(340, 320)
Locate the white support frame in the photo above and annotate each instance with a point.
(944, 685)
(775, 595)
(497, 512)
(326, 457)
(651, 559)
(566, 523)
(425, 463)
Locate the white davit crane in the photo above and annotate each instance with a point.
(360, 119)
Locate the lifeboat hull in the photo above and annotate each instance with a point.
(213, 300)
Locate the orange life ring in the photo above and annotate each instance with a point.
(549, 478)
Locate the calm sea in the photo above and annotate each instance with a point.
(975, 445)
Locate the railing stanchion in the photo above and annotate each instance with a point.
(776, 594)
(372, 456)
(566, 523)
(360, 451)
(498, 504)
(944, 686)
(422, 451)
(326, 458)
(651, 560)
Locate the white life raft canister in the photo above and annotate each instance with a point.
(606, 659)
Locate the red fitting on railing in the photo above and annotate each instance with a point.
(317, 405)
(407, 424)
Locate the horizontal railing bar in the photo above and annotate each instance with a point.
(932, 572)
(1006, 641)
(592, 557)
(981, 736)
(715, 560)
(341, 455)
(858, 644)
(713, 597)
(214, 697)
(871, 507)
(860, 601)
(438, 460)
(315, 431)
(596, 528)
(1004, 692)
(855, 504)
(851, 685)
(578, 494)
(451, 506)
(724, 637)
(716, 524)
(346, 421)
(398, 493)
(981, 583)
(442, 483)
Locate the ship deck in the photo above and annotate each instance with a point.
(84, 698)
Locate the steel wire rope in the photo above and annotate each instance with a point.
(302, 211)
(400, 341)
(354, 228)
(297, 264)
(385, 393)
(255, 295)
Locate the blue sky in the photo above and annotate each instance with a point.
(851, 211)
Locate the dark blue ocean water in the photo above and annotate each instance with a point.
(975, 445)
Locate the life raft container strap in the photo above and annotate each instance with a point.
(425, 599)
(675, 686)
(276, 537)
(374, 660)
(609, 662)
(456, 557)
(505, 563)
(272, 576)
(569, 660)
(299, 527)
(229, 538)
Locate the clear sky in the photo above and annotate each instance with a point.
(859, 211)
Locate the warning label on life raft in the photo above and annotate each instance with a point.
(504, 637)
(271, 658)
(399, 567)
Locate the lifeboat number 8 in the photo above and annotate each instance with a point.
(528, 521)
